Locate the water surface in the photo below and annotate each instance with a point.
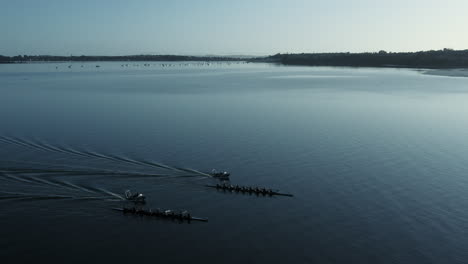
(376, 159)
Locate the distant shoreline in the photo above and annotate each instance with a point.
(451, 63)
(433, 59)
(135, 58)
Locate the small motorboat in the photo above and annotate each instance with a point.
(136, 197)
(220, 175)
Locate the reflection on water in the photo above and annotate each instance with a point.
(376, 160)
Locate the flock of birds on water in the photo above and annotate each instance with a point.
(169, 65)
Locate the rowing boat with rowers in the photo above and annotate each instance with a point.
(168, 214)
(248, 190)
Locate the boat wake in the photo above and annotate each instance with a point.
(29, 196)
(88, 172)
(74, 181)
(41, 146)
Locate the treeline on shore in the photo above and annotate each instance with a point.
(446, 58)
(48, 58)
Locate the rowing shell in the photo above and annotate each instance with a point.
(159, 214)
(243, 189)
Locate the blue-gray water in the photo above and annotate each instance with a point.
(377, 160)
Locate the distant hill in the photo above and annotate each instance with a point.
(445, 58)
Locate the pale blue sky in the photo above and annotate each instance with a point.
(120, 27)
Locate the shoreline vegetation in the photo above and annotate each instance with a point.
(433, 59)
(83, 58)
(446, 62)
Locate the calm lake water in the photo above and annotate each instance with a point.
(377, 160)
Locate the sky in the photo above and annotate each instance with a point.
(229, 27)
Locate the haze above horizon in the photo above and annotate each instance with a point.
(104, 27)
